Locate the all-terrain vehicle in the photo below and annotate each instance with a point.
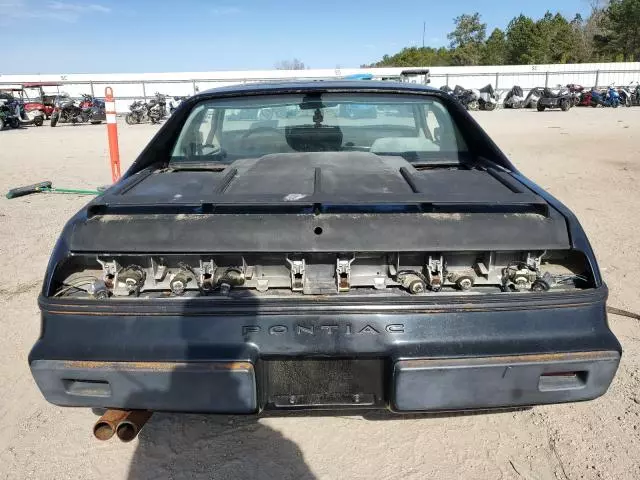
(555, 98)
(321, 262)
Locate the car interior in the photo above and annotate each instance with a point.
(406, 128)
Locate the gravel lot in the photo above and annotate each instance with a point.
(588, 158)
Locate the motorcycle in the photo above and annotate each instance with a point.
(159, 104)
(585, 99)
(468, 98)
(626, 97)
(174, 106)
(634, 89)
(610, 98)
(153, 111)
(67, 110)
(488, 98)
(514, 98)
(575, 92)
(137, 113)
(141, 112)
(555, 98)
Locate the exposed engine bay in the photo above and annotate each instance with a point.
(323, 274)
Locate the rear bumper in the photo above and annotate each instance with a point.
(417, 385)
(197, 357)
(491, 382)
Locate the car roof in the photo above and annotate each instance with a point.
(317, 86)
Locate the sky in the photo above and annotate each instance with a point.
(138, 36)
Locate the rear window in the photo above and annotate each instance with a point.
(418, 128)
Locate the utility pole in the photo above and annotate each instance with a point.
(424, 29)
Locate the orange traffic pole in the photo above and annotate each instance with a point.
(112, 132)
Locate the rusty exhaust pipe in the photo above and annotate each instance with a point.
(129, 426)
(107, 424)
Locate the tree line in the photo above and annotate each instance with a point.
(611, 33)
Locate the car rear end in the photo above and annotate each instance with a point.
(454, 316)
(341, 277)
(444, 355)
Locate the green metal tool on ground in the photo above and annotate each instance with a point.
(46, 187)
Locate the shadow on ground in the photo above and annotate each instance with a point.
(179, 446)
(212, 447)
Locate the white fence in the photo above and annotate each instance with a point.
(128, 87)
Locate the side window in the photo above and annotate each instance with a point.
(443, 130)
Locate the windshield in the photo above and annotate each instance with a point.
(418, 128)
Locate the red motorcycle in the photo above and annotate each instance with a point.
(576, 94)
(585, 99)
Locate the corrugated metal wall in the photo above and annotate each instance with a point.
(130, 86)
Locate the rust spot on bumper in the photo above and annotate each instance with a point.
(158, 366)
(514, 359)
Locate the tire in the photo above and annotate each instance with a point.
(1, 123)
(473, 106)
(540, 107)
(38, 121)
(489, 107)
(594, 104)
(14, 122)
(130, 119)
(565, 105)
(54, 119)
(96, 122)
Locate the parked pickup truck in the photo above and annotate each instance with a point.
(321, 262)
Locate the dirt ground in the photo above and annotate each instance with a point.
(588, 158)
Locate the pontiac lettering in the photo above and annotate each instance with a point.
(324, 329)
